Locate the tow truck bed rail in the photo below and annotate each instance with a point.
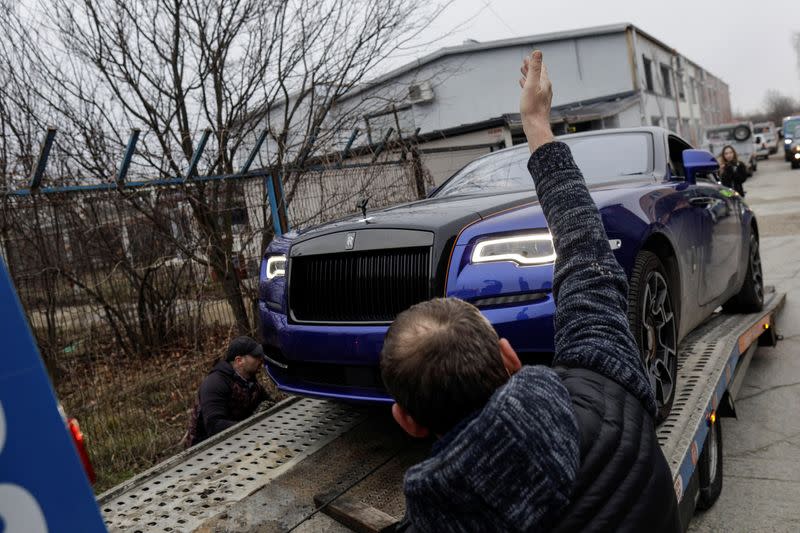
(285, 468)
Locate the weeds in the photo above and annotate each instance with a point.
(134, 412)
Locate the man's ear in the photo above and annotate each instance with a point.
(408, 424)
(510, 358)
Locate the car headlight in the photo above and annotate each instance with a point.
(530, 249)
(787, 141)
(276, 266)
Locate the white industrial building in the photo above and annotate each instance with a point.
(462, 101)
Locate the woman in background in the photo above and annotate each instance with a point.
(732, 172)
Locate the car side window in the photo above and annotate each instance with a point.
(676, 148)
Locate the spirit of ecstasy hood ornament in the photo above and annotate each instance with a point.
(362, 204)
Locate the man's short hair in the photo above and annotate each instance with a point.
(441, 362)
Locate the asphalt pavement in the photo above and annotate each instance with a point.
(761, 449)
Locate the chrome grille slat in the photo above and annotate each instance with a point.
(361, 286)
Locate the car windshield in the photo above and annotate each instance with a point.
(601, 158)
(761, 129)
(790, 126)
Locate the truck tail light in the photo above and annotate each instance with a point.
(80, 445)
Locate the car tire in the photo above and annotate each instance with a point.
(750, 298)
(654, 325)
(709, 468)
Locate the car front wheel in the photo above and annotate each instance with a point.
(654, 326)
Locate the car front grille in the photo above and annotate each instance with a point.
(363, 286)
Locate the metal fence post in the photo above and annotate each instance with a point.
(382, 145)
(253, 152)
(349, 145)
(126, 159)
(41, 162)
(198, 152)
(277, 205)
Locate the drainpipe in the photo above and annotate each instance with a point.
(675, 69)
(633, 46)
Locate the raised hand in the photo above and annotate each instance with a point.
(535, 101)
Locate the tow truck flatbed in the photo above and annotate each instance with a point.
(304, 461)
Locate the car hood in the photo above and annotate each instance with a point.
(448, 216)
(444, 216)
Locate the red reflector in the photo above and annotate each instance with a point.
(80, 446)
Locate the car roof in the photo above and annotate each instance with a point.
(654, 130)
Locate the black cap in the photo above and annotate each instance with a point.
(241, 346)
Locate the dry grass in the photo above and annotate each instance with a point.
(134, 412)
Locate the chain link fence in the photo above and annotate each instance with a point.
(129, 292)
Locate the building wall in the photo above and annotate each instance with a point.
(473, 87)
(693, 100)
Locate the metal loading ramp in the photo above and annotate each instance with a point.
(286, 468)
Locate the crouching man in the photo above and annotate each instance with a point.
(567, 448)
(230, 392)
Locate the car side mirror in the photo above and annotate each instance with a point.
(758, 140)
(698, 161)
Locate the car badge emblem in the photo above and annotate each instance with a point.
(350, 241)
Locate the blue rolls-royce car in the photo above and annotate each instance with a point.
(687, 244)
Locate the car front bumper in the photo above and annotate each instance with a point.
(342, 361)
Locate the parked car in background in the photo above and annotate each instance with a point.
(789, 126)
(737, 134)
(794, 148)
(687, 244)
(769, 135)
(760, 147)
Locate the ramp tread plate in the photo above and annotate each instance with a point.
(703, 357)
(182, 497)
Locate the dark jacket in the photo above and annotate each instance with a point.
(224, 399)
(733, 175)
(568, 448)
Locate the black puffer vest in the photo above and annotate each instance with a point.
(624, 480)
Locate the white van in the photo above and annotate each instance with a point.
(737, 134)
(769, 135)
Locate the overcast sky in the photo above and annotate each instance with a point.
(746, 43)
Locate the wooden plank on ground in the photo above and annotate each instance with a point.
(354, 514)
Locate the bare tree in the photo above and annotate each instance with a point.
(174, 67)
(778, 105)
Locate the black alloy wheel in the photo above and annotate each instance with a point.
(750, 298)
(655, 328)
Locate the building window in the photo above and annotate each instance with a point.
(667, 79)
(648, 73)
(681, 91)
(692, 93)
(655, 121)
(672, 124)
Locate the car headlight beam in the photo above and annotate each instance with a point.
(276, 266)
(787, 141)
(531, 249)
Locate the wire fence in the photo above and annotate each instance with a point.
(132, 292)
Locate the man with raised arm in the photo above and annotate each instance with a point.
(567, 448)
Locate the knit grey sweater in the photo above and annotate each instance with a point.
(511, 466)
